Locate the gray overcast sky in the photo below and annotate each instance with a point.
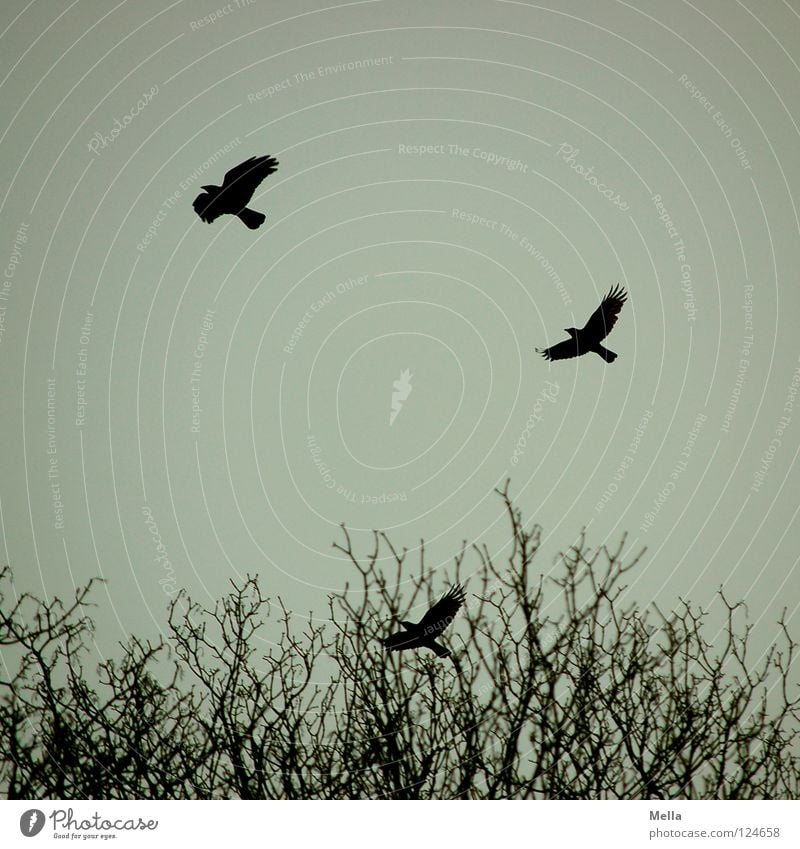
(459, 181)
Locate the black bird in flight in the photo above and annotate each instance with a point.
(423, 634)
(232, 197)
(588, 337)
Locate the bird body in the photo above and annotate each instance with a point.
(423, 634)
(232, 197)
(587, 339)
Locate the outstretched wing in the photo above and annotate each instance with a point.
(401, 640)
(563, 351)
(605, 316)
(442, 613)
(245, 177)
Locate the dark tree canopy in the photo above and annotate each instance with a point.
(563, 690)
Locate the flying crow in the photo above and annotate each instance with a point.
(588, 337)
(423, 634)
(235, 192)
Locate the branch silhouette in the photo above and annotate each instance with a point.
(557, 688)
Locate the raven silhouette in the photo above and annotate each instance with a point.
(423, 634)
(588, 337)
(232, 197)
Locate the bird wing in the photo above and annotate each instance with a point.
(442, 613)
(399, 641)
(605, 316)
(246, 176)
(562, 351)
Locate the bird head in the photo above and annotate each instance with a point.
(208, 188)
(571, 330)
(408, 625)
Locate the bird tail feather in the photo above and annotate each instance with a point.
(440, 650)
(608, 356)
(251, 219)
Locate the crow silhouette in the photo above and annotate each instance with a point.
(423, 634)
(588, 337)
(232, 197)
